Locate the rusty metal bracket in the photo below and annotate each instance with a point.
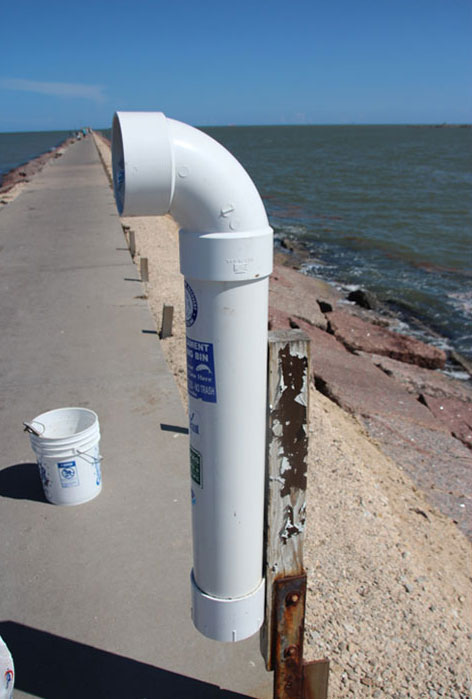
(289, 619)
(293, 678)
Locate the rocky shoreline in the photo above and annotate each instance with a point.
(391, 313)
(392, 383)
(14, 180)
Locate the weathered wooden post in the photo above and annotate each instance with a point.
(144, 269)
(287, 458)
(167, 319)
(132, 243)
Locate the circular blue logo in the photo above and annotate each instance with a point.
(68, 473)
(191, 306)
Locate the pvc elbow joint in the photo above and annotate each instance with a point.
(163, 166)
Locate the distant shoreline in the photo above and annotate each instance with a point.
(23, 171)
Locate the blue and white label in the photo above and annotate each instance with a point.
(191, 306)
(68, 474)
(201, 370)
(194, 424)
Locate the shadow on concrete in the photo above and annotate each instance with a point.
(21, 482)
(174, 428)
(52, 667)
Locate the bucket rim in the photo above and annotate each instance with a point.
(57, 411)
(50, 449)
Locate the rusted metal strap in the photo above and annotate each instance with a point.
(294, 678)
(289, 622)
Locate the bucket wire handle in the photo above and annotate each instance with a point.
(32, 430)
(87, 457)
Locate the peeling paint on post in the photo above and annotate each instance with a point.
(287, 454)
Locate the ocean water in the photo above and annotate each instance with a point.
(385, 208)
(18, 148)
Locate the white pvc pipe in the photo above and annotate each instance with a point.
(160, 166)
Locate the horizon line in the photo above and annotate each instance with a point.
(433, 124)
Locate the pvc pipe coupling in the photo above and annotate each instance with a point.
(163, 166)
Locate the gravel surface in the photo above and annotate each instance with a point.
(389, 576)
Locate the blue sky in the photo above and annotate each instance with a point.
(211, 62)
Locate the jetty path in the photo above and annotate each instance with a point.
(95, 598)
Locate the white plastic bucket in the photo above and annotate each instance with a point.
(7, 671)
(66, 444)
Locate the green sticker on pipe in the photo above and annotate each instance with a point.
(196, 467)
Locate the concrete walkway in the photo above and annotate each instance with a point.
(94, 599)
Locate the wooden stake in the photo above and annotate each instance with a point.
(144, 267)
(167, 318)
(132, 243)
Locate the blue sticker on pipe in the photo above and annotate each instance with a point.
(201, 379)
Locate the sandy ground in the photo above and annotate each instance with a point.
(389, 576)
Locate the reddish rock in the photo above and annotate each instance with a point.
(405, 429)
(278, 320)
(383, 394)
(297, 295)
(357, 385)
(429, 382)
(356, 334)
(455, 414)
